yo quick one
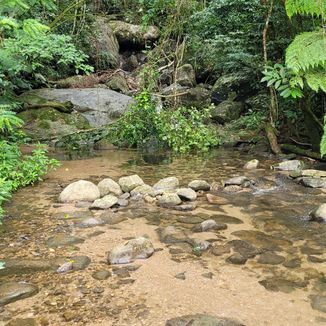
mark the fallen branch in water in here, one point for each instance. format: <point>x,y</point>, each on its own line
<point>300,151</point>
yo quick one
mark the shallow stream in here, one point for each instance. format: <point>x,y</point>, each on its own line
<point>281,282</point>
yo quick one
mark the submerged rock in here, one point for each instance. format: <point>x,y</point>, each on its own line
<point>106,202</point>
<point>199,185</point>
<point>171,234</point>
<point>202,320</point>
<point>13,291</point>
<point>210,225</point>
<point>167,184</point>
<point>318,302</point>
<point>139,248</point>
<point>237,259</point>
<point>319,214</point>
<point>216,200</point>
<point>112,218</point>
<point>81,190</point>
<point>108,186</point>
<point>90,222</point>
<point>187,194</point>
<point>101,275</point>
<point>169,200</point>
<point>270,258</point>
<point>292,165</point>
<point>23,322</point>
<point>131,182</point>
<point>26,266</point>
<point>63,239</point>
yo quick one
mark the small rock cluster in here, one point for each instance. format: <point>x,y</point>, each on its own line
<point>110,194</point>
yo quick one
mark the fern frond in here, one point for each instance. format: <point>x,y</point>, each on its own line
<point>305,7</point>
<point>307,51</point>
<point>316,80</point>
<point>33,28</point>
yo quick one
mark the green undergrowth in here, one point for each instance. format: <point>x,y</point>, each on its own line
<point>182,129</point>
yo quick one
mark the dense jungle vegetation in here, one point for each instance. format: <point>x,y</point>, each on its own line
<point>268,55</point>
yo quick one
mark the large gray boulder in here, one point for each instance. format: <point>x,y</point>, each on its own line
<point>139,248</point>
<point>226,111</point>
<point>98,105</point>
<point>133,35</point>
<point>81,190</point>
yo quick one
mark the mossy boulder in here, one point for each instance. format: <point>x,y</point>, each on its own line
<point>226,111</point>
<point>130,35</point>
<point>47,123</point>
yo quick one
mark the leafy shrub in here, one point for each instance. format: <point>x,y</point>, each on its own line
<point>182,130</point>
<point>25,58</point>
<point>18,170</point>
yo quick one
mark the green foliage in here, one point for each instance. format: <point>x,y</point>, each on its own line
<point>25,59</point>
<point>253,120</point>
<point>305,7</point>
<point>230,32</point>
<point>17,170</point>
<point>306,57</point>
<point>281,78</point>
<point>182,130</point>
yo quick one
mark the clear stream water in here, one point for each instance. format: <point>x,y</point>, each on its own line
<point>281,283</point>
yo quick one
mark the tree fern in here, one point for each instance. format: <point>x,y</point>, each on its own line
<point>305,7</point>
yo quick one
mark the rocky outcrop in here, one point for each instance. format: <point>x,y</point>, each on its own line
<point>99,106</point>
<point>226,112</point>
<point>130,35</point>
<point>104,46</point>
<point>81,190</point>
